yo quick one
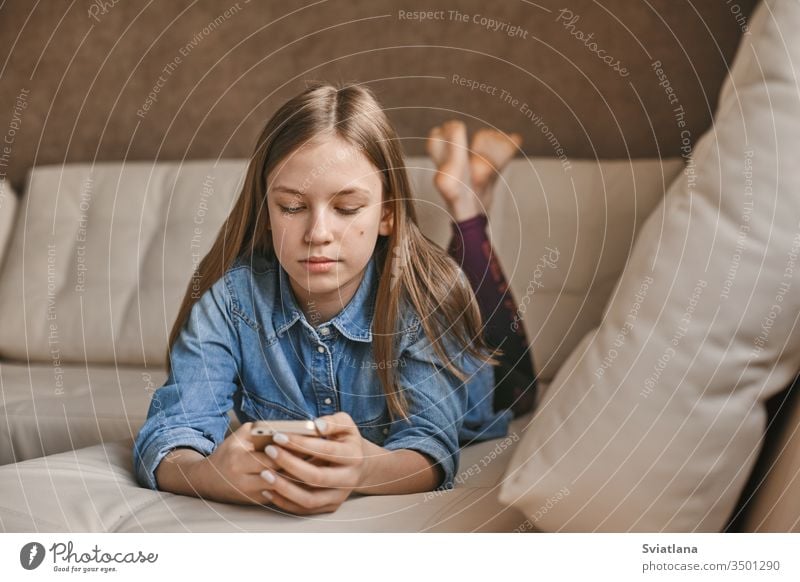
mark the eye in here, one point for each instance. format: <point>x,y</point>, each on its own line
<point>348,211</point>
<point>290,209</point>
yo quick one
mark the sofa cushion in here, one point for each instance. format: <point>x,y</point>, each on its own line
<point>49,409</point>
<point>94,490</point>
<point>655,420</point>
<point>102,256</point>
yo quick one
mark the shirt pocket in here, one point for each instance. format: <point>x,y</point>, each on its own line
<point>257,408</point>
<point>375,429</point>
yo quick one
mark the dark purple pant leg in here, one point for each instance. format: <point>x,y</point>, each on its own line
<point>515,379</point>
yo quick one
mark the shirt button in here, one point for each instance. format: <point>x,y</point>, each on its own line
<point>324,331</point>
<point>328,401</point>
<point>320,349</point>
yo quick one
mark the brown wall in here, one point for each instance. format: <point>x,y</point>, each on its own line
<point>87,70</point>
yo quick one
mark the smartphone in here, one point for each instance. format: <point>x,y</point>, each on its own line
<point>262,431</point>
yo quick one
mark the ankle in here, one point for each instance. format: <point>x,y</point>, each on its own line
<point>482,190</point>
<point>479,221</point>
<point>466,209</point>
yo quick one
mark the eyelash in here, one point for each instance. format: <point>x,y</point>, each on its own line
<point>296,209</point>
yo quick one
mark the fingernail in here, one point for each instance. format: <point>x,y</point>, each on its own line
<point>268,476</point>
<point>321,425</point>
<point>271,451</point>
<point>267,494</point>
<point>280,438</point>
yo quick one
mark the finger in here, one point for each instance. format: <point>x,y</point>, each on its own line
<point>284,504</point>
<point>309,473</point>
<point>335,424</point>
<point>248,490</point>
<point>332,451</point>
<point>300,494</point>
<point>257,461</point>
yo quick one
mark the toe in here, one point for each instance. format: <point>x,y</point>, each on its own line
<point>434,146</point>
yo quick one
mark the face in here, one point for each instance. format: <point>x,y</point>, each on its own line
<point>326,213</point>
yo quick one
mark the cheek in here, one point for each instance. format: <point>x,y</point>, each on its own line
<point>283,223</point>
<point>368,224</point>
<point>282,231</point>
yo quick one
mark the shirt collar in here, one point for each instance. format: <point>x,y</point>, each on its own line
<point>354,321</point>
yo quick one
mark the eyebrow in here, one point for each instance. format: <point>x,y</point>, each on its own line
<point>292,191</point>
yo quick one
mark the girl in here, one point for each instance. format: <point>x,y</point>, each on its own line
<point>321,298</point>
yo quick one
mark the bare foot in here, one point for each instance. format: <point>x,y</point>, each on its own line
<point>447,146</point>
<point>490,151</point>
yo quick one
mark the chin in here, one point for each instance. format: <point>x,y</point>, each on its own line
<point>319,282</point>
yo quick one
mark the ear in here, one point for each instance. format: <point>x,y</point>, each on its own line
<point>387,220</point>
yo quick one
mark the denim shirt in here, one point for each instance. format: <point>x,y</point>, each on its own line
<point>247,346</point>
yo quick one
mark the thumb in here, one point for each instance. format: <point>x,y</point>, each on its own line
<point>242,434</point>
<point>333,424</point>
<point>244,429</point>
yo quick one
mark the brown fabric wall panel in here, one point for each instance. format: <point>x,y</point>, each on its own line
<point>225,66</point>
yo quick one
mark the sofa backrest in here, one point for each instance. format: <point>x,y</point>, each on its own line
<point>8,211</point>
<point>101,254</point>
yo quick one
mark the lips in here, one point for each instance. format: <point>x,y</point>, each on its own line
<point>319,265</point>
<point>319,260</point>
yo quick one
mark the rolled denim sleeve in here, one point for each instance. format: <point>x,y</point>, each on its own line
<point>439,403</point>
<point>191,408</point>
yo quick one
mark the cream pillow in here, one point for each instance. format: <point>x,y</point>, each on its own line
<point>655,420</point>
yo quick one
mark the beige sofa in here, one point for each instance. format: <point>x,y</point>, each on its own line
<point>95,268</point>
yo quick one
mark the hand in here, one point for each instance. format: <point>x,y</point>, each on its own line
<point>232,473</point>
<point>306,487</point>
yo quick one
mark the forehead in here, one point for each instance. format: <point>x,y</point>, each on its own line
<point>324,166</point>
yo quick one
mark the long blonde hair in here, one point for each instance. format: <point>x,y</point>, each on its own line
<point>419,272</point>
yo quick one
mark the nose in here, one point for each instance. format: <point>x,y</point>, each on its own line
<point>318,230</point>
